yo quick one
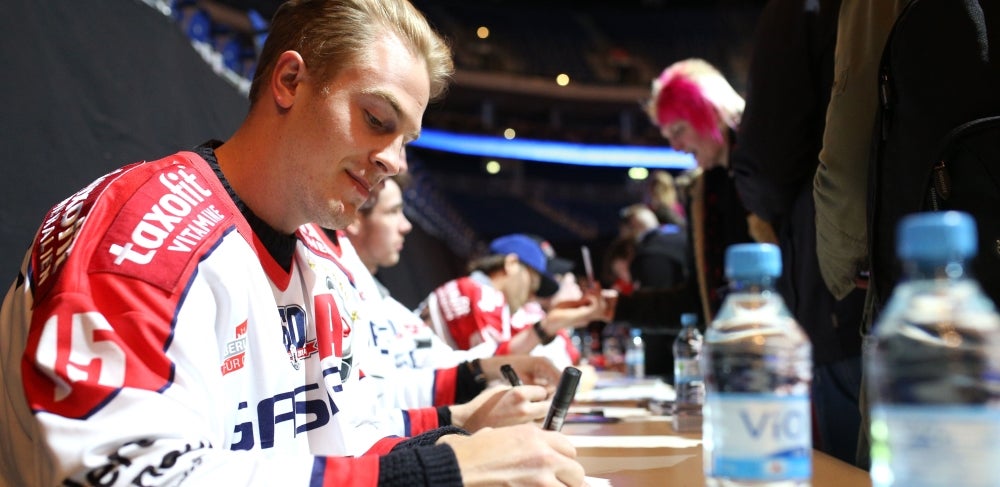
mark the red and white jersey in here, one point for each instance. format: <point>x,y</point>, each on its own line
<point>152,339</point>
<point>468,312</point>
<point>412,367</point>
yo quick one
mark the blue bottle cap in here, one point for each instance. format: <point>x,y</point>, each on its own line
<point>940,235</point>
<point>754,260</point>
<point>689,319</point>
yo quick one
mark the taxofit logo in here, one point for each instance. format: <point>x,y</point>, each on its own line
<point>170,220</point>
<point>179,218</point>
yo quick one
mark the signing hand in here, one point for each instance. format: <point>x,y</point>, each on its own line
<point>501,406</point>
<point>531,369</point>
<point>523,455</point>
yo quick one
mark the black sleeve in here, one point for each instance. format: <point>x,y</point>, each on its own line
<point>788,87</point>
<point>469,382</point>
<point>419,462</point>
<point>444,415</point>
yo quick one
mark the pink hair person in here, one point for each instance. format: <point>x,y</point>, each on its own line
<point>680,97</point>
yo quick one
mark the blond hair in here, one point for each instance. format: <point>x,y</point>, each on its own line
<point>333,34</point>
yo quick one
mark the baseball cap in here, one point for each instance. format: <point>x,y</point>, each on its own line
<point>530,254</point>
<point>554,264</point>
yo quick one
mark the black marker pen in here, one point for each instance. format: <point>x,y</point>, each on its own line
<point>565,392</point>
<point>511,376</point>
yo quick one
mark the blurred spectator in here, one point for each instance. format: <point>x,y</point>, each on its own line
<point>660,260</point>
<point>664,200</point>
<point>841,182</point>
<point>617,262</point>
<point>698,111</point>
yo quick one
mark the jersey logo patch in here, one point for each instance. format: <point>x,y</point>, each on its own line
<point>164,222</point>
<point>235,352</point>
<point>300,343</point>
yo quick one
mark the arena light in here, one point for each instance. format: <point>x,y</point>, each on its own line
<point>557,152</point>
<point>638,173</point>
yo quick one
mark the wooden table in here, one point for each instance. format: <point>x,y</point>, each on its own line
<point>677,463</point>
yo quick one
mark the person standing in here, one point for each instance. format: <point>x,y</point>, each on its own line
<point>789,83</point>
<point>699,112</point>
<point>840,184</point>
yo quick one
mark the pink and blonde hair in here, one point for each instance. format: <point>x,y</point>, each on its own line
<point>695,91</point>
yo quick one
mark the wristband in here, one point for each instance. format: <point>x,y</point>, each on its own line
<point>477,371</point>
<point>543,336</point>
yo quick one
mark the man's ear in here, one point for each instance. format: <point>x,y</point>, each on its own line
<point>287,77</point>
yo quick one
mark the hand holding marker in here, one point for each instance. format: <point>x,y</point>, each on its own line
<point>511,376</point>
<point>565,392</point>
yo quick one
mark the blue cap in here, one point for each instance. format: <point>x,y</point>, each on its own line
<point>689,319</point>
<point>530,254</point>
<point>751,260</point>
<point>936,236</point>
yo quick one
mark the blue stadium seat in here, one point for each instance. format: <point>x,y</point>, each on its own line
<point>199,27</point>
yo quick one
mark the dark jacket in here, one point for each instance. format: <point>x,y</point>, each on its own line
<point>788,88</point>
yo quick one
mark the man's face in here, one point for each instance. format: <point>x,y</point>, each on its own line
<point>683,137</point>
<point>350,131</point>
<point>380,234</point>
<point>522,284</point>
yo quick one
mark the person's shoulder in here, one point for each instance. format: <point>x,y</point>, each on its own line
<point>462,289</point>
<point>146,220</point>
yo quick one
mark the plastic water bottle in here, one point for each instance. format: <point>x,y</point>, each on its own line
<point>635,355</point>
<point>688,381</point>
<point>757,362</point>
<point>934,367</point>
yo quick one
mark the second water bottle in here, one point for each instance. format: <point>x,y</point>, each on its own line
<point>757,363</point>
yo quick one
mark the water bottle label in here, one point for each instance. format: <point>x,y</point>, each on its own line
<point>919,446</point>
<point>686,370</point>
<point>759,437</point>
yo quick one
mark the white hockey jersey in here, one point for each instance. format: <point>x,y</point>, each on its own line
<point>411,367</point>
<point>152,338</point>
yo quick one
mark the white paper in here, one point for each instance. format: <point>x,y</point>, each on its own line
<point>611,411</point>
<point>623,389</point>
<point>596,482</point>
<point>637,441</point>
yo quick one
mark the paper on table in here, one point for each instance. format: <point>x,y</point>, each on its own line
<point>611,411</point>
<point>637,441</point>
<point>628,390</point>
<point>596,482</point>
<point>605,465</point>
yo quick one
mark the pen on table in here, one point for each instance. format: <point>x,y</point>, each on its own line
<point>511,376</point>
<point>565,392</point>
